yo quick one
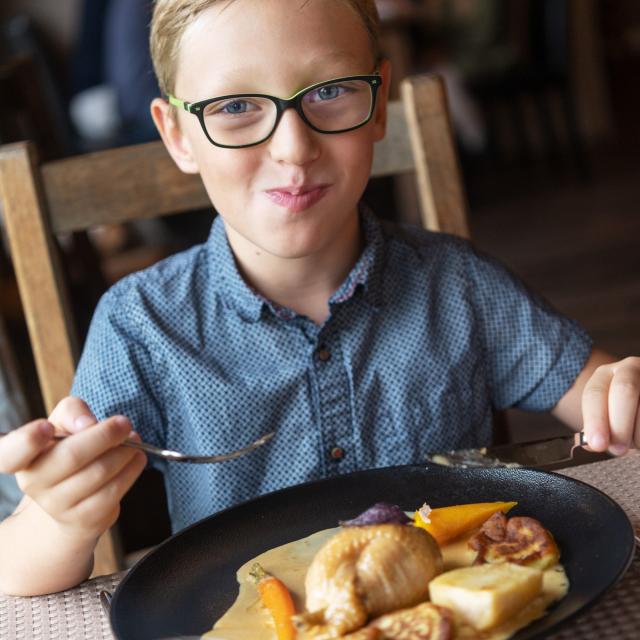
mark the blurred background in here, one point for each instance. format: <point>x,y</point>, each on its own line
<point>544,97</point>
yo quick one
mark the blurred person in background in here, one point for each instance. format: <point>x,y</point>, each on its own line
<point>115,83</point>
<point>428,28</point>
<point>113,76</point>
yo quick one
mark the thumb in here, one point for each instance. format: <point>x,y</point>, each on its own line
<point>72,415</point>
<point>22,446</point>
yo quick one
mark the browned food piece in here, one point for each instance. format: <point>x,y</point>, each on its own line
<point>363,572</point>
<point>425,622</point>
<point>520,540</point>
<point>495,528</point>
<point>366,633</point>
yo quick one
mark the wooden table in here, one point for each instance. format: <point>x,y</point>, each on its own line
<point>77,613</point>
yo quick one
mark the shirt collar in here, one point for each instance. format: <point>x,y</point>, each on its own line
<point>366,273</point>
<point>225,277</point>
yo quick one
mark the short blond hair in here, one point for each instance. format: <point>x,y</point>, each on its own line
<point>172,17</point>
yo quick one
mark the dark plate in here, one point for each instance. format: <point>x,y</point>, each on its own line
<point>188,582</point>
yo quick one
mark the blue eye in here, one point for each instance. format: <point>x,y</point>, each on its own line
<point>233,107</point>
<point>323,94</point>
<point>237,106</point>
<point>329,92</point>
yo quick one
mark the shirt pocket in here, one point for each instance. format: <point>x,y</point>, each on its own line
<point>458,415</point>
<point>454,415</point>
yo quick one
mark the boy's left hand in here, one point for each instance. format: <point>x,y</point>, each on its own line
<point>611,406</point>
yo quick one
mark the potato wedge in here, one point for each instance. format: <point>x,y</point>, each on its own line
<point>486,595</point>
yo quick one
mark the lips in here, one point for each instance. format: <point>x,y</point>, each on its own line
<point>297,199</point>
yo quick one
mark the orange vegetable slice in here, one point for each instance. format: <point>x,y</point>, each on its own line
<point>447,523</point>
<point>277,599</point>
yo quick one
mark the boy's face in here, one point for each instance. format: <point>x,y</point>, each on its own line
<point>277,47</point>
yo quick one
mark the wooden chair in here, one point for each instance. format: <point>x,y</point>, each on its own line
<point>118,185</point>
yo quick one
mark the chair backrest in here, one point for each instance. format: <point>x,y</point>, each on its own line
<point>118,185</point>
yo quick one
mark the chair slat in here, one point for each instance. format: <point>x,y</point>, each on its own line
<point>440,189</point>
<point>118,185</point>
<point>392,155</point>
<point>38,272</point>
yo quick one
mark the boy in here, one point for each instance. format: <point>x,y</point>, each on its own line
<point>361,348</point>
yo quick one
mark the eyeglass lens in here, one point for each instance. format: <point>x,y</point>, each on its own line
<point>249,119</point>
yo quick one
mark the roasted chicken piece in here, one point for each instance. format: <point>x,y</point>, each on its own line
<point>425,622</point>
<point>519,540</point>
<point>366,633</point>
<point>363,572</point>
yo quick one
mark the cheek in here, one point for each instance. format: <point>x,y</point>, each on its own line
<point>227,175</point>
<point>354,155</point>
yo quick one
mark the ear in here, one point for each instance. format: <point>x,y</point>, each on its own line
<point>380,115</point>
<point>178,145</point>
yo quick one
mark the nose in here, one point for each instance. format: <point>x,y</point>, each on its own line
<point>293,141</point>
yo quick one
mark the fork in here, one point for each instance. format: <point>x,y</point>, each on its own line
<point>177,456</point>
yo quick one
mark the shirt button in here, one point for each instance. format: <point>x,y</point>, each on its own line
<point>337,453</point>
<point>323,354</point>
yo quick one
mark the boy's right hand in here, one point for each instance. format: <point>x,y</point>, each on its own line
<point>78,481</point>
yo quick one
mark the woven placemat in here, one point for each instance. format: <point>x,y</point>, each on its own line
<point>617,615</point>
<point>618,478</point>
<point>77,614</point>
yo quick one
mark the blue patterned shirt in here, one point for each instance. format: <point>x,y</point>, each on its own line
<point>425,337</point>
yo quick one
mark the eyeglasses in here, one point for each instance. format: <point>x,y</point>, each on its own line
<point>247,119</point>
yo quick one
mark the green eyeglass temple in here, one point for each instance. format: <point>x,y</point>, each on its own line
<point>181,104</point>
<point>282,104</point>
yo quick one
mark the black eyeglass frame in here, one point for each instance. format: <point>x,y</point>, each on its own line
<point>282,104</point>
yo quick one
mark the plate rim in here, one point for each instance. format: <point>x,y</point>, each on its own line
<point>490,471</point>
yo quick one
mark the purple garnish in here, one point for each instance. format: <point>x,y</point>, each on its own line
<point>379,513</point>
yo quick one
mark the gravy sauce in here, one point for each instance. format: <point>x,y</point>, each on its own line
<point>248,620</point>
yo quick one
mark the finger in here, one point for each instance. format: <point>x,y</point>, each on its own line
<point>71,415</point>
<point>96,507</point>
<point>70,455</point>
<point>623,407</point>
<point>89,480</point>
<point>636,439</point>
<point>595,409</point>
<point>22,446</point>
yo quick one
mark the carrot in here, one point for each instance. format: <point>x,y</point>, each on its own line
<point>276,598</point>
<point>447,523</point>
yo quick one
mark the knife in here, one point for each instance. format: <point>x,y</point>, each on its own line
<point>551,453</point>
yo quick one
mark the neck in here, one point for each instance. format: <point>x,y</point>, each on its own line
<point>305,283</point>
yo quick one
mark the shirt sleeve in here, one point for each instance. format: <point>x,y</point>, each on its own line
<point>116,373</point>
<point>534,352</point>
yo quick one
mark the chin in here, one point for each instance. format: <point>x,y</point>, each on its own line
<point>303,241</point>
<point>289,251</point>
